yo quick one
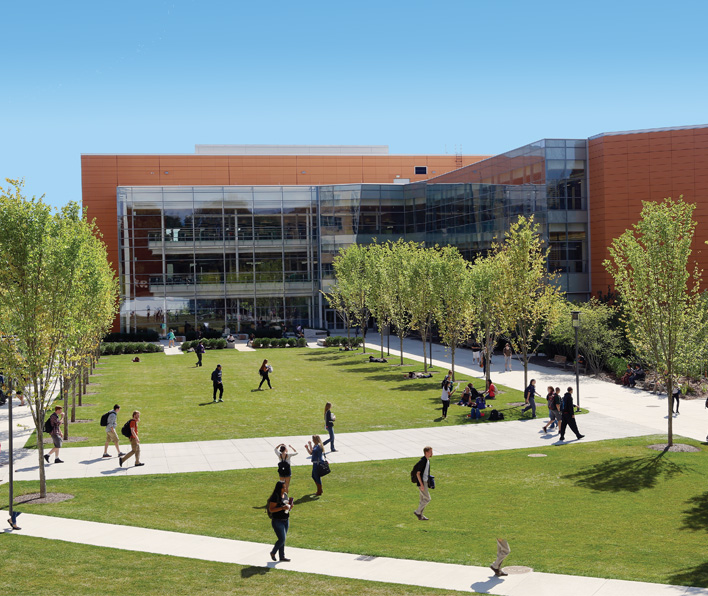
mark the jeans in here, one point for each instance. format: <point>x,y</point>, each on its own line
<point>330,429</point>
<point>220,388</point>
<point>280,527</point>
<point>199,358</point>
<point>532,406</point>
<point>264,379</point>
<point>446,405</point>
<point>316,472</point>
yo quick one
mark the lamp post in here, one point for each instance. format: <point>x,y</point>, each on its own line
<point>576,324</point>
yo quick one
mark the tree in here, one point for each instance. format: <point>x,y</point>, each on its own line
<point>660,289</point>
<point>598,340</point>
<point>528,295</point>
<point>353,282</point>
<point>46,259</point>
<point>377,297</point>
<point>454,305</point>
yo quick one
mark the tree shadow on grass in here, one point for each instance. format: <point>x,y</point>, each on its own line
<point>696,518</point>
<point>630,474</point>
<point>691,576</point>
<point>247,572</point>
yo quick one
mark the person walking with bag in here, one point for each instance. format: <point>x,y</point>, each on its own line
<point>568,415</point>
<point>316,450</point>
<point>132,425</point>
<point>217,383</point>
<point>420,475</point>
<point>284,469</point>
<point>264,371</point>
<point>329,425</point>
<point>200,349</point>
<point>279,507</point>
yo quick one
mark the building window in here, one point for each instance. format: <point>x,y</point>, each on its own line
<point>421,170</point>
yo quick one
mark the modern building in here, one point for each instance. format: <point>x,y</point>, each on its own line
<point>234,236</point>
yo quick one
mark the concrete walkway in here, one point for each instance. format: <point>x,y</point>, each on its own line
<point>464,578</point>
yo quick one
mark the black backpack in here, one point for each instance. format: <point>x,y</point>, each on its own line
<point>48,425</point>
<point>494,415</point>
<point>284,468</point>
<point>125,431</point>
<point>104,418</point>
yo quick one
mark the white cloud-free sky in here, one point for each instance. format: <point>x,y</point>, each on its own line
<point>421,77</point>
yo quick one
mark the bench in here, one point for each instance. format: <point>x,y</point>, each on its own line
<point>558,359</point>
<point>321,342</point>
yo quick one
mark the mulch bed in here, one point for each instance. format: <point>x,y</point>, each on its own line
<point>50,498</point>
<point>675,448</point>
<point>48,441</point>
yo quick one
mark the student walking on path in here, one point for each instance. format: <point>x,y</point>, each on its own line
<point>171,339</point>
<point>264,371</point>
<point>329,425</point>
<point>420,476</point>
<point>284,469</point>
<point>507,357</point>
<point>553,399</point>
<point>134,442</point>
<point>447,391</point>
<point>316,450</point>
<point>111,434</point>
<point>216,383</point>
<point>568,415</point>
<point>55,421</point>
<point>279,508</point>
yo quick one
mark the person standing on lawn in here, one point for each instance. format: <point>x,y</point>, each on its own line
<point>200,349</point>
<point>134,442</point>
<point>568,415</point>
<point>329,425</point>
<point>111,434</point>
<point>264,371</point>
<point>55,420</point>
<point>420,476</point>
<point>279,508</point>
<point>447,391</point>
<point>216,382</point>
<point>316,450</point>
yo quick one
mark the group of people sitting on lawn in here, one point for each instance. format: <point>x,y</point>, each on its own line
<point>472,398</point>
<point>632,375</point>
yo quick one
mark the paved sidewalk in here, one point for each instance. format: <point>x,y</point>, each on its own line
<point>464,578</point>
<point>237,454</point>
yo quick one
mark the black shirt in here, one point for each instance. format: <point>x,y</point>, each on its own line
<point>280,502</point>
<point>216,376</point>
<point>567,404</point>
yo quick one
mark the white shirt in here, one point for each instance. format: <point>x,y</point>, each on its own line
<point>426,472</point>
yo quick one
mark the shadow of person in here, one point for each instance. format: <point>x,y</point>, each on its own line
<point>206,403</point>
<point>305,499</point>
<point>485,587</point>
<point>247,572</point>
<point>92,461</point>
<point>630,474</point>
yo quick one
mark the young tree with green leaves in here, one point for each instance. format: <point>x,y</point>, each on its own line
<point>454,307</point>
<point>665,317</point>
<point>528,296</point>
<point>377,296</point>
<point>351,271</point>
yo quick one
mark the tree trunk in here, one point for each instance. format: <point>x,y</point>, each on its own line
<point>40,414</point>
<point>73,397</point>
<point>65,392</point>
<point>363,336</point>
<point>452,359</point>
<point>670,401</point>
<point>400,336</point>
<point>381,331</point>
<point>525,355</point>
<point>82,388</point>
<point>86,376</point>
<point>425,354</point>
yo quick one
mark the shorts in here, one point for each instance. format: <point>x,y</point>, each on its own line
<point>57,440</point>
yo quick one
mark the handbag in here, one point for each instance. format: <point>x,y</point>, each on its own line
<point>323,467</point>
<point>431,482</point>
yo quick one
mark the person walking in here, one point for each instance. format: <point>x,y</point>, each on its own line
<point>200,349</point>
<point>111,434</point>
<point>217,384</point>
<point>134,442</point>
<point>171,339</point>
<point>553,399</point>
<point>507,357</point>
<point>316,451</point>
<point>530,398</point>
<point>284,469</point>
<point>420,476</point>
<point>447,391</point>
<point>55,421</point>
<point>264,371</point>
<point>329,425</point>
<point>279,507</point>
<point>568,415</point>
<point>677,396</point>
<point>503,551</point>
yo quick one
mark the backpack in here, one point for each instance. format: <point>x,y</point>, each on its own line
<point>125,431</point>
<point>104,418</point>
<point>48,425</point>
<point>283,468</point>
<point>494,415</point>
<point>501,415</point>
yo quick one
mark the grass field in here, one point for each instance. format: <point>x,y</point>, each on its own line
<point>175,398</point>
<point>613,509</point>
<point>66,569</point>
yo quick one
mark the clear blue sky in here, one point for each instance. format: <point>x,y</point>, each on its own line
<point>422,77</point>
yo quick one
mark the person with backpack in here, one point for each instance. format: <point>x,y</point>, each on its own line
<point>568,415</point>
<point>316,450</point>
<point>264,371</point>
<point>110,421</point>
<point>329,425</point>
<point>279,507</point>
<point>530,398</point>
<point>130,430</point>
<point>284,457</point>
<point>420,475</point>
<point>53,425</point>
<point>216,382</point>
<point>200,349</point>
<point>553,400</point>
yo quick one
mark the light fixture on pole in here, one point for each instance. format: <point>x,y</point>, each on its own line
<point>576,324</point>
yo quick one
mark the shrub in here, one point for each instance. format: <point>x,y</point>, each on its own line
<point>145,336</point>
<point>220,343</point>
<point>154,348</point>
<point>265,342</point>
<point>332,341</point>
<point>107,349</point>
<point>209,343</point>
<point>618,366</point>
<point>292,342</point>
<point>301,342</point>
<point>186,345</point>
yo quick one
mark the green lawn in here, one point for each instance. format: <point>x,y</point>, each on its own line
<point>62,568</point>
<point>175,398</point>
<point>612,509</point>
